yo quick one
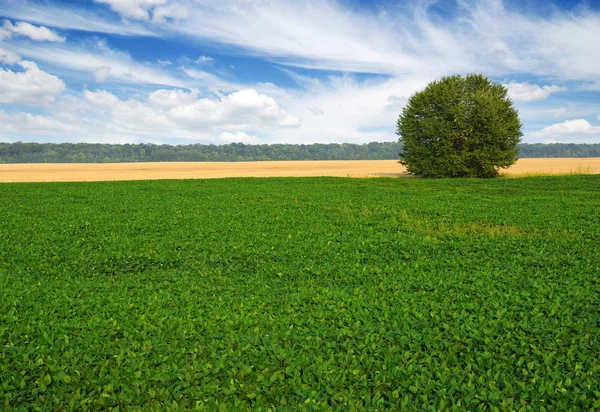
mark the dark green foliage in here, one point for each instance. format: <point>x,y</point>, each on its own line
<point>235,152</point>
<point>301,294</point>
<point>459,127</point>
<point>539,150</point>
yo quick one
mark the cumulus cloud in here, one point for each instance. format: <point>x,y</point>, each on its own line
<point>238,110</point>
<point>172,98</point>
<point>100,116</point>
<point>25,122</point>
<point>32,86</point>
<point>575,127</point>
<point>525,92</point>
<point>38,33</point>
<point>164,62</point>
<point>172,111</point>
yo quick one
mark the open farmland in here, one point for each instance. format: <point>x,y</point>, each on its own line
<point>70,172</point>
<point>301,294</point>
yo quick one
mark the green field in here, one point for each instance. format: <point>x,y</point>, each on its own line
<point>301,294</point>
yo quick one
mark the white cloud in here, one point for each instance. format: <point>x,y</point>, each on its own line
<point>405,43</point>
<point>159,11</point>
<point>172,98</point>
<point>69,17</point>
<point>576,127</point>
<point>236,111</point>
<point>198,74</point>
<point>210,81</point>
<point>4,33</point>
<point>175,12</point>
<point>395,103</point>
<point>238,137</point>
<point>9,57</point>
<point>563,111</point>
<point>316,33</point>
<point>177,113</point>
<point>32,86</point>
<point>164,62</point>
<point>525,92</point>
<point>38,33</point>
<point>480,36</point>
<point>101,98</point>
<point>89,57</point>
<point>315,110</point>
<point>24,122</point>
<point>203,59</point>
<point>134,9</point>
<point>353,111</point>
<point>102,73</point>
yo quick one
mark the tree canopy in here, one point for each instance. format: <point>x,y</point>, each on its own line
<point>459,127</point>
<point>142,152</point>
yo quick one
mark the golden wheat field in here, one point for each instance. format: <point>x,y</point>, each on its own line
<point>72,172</point>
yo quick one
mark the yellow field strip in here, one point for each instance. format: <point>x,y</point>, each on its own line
<point>71,172</point>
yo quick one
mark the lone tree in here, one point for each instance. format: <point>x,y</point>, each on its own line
<point>459,127</point>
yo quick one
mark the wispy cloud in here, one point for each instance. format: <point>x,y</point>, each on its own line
<point>72,18</point>
<point>133,9</point>
<point>38,33</point>
<point>155,10</point>
<point>100,62</point>
<point>481,36</point>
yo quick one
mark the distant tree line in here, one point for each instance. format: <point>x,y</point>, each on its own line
<point>238,152</point>
<point>559,150</point>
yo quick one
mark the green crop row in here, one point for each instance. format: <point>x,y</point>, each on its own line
<point>301,294</point>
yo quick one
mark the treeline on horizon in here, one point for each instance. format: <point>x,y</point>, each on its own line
<point>20,152</point>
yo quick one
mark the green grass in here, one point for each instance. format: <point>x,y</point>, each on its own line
<point>301,294</point>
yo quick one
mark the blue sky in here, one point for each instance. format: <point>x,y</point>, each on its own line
<point>285,71</point>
